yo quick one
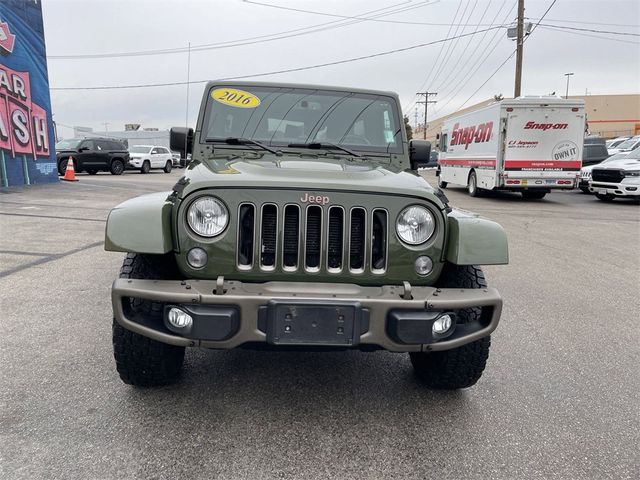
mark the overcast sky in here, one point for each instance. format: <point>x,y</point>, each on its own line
<point>601,63</point>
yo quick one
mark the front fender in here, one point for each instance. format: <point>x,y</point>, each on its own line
<point>141,225</point>
<point>475,241</point>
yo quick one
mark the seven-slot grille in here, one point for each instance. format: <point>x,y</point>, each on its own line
<point>609,176</point>
<point>313,238</point>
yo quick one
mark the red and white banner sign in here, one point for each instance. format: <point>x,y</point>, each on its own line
<point>23,124</point>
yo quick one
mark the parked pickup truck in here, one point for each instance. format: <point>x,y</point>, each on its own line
<point>617,178</point>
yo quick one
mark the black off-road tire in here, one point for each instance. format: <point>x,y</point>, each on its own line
<point>146,167</point>
<point>533,195</point>
<point>584,189</point>
<point>117,167</point>
<point>460,367</point>
<point>605,198</point>
<point>141,361</point>
<point>168,166</point>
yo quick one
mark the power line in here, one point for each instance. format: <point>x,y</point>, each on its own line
<point>288,70</point>
<point>454,71</point>
<point>411,104</point>
<point>589,30</point>
<point>509,57</point>
<point>467,76</point>
<point>446,57</point>
<point>281,7</point>
<point>554,29</point>
<point>587,23</point>
<point>249,40</point>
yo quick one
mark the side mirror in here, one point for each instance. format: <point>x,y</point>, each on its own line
<point>181,140</point>
<point>419,153</point>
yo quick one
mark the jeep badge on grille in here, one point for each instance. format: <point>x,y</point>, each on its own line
<point>319,199</point>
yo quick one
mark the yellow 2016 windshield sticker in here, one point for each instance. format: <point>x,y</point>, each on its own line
<point>235,98</point>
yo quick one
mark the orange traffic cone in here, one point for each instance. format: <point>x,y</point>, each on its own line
<point>70,172</point>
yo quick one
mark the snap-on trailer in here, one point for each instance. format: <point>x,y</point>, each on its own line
<point>528,144</point>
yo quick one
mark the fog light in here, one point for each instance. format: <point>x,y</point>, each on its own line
<point>179,318</point>
<point>423,265</point>
<point>442,324</point>
<point>197,257</point>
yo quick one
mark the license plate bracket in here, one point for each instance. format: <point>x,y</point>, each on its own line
<point>319,323</point>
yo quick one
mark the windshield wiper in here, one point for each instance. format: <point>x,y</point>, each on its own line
<point>244,141</point>
<point>325,145</point>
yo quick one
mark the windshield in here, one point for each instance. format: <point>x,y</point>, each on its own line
<point>139,149</point>
<point>628,143</point>
<point>279,116</point>
<point>633,155</point>
<point>68,144</point>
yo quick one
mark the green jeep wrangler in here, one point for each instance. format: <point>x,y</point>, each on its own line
<point>302,223</point>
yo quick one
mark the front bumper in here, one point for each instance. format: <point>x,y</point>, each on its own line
<point>389,314</point>
<point>622,189</point>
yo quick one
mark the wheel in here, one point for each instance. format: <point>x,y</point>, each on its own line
<point>146,166</point>
<point>604,198</point>
<point>533,195</point>
<point>117,167</point>
<point>472,185</point>
<point>141,361</point>
<point>441,183</point>
<point>168,166</point>
<point>91,171</point>
<point>460,367</point>
<point>62,166</point>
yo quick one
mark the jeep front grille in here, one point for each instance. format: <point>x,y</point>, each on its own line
<point>314,239</point>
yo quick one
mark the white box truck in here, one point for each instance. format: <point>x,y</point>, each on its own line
<point>528,144</point>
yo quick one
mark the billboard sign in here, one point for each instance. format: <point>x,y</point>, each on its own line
<point>27,154</point>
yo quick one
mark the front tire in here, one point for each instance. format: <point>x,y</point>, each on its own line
<point>168,166</point>
<point>117,167</point>
<point>472,185</point>
<point>460,367</point>
<point>146,167</point>
<point>141,361</point>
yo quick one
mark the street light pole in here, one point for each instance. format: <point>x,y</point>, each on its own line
<point>567,92</point>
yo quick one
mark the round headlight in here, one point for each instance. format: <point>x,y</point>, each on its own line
<point>207,216</point>
<point>415,225</point>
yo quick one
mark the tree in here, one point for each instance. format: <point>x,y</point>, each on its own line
<point>408,128</point>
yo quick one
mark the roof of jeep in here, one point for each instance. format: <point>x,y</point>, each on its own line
<point>240,83</point>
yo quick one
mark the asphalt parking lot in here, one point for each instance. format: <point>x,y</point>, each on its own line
<point>558,398</point>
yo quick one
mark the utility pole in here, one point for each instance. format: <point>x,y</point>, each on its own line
<point>106,127</point>
<point>519,52</point>
<point>566,95</point>
<point>426,103</point>
<point>415,118</point>
<point>186,115</point>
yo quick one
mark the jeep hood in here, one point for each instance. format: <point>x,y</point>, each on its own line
<point>307,173</point>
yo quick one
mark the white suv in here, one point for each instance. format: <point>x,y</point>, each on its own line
<point>617,178</point>
<point>146,157</point>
